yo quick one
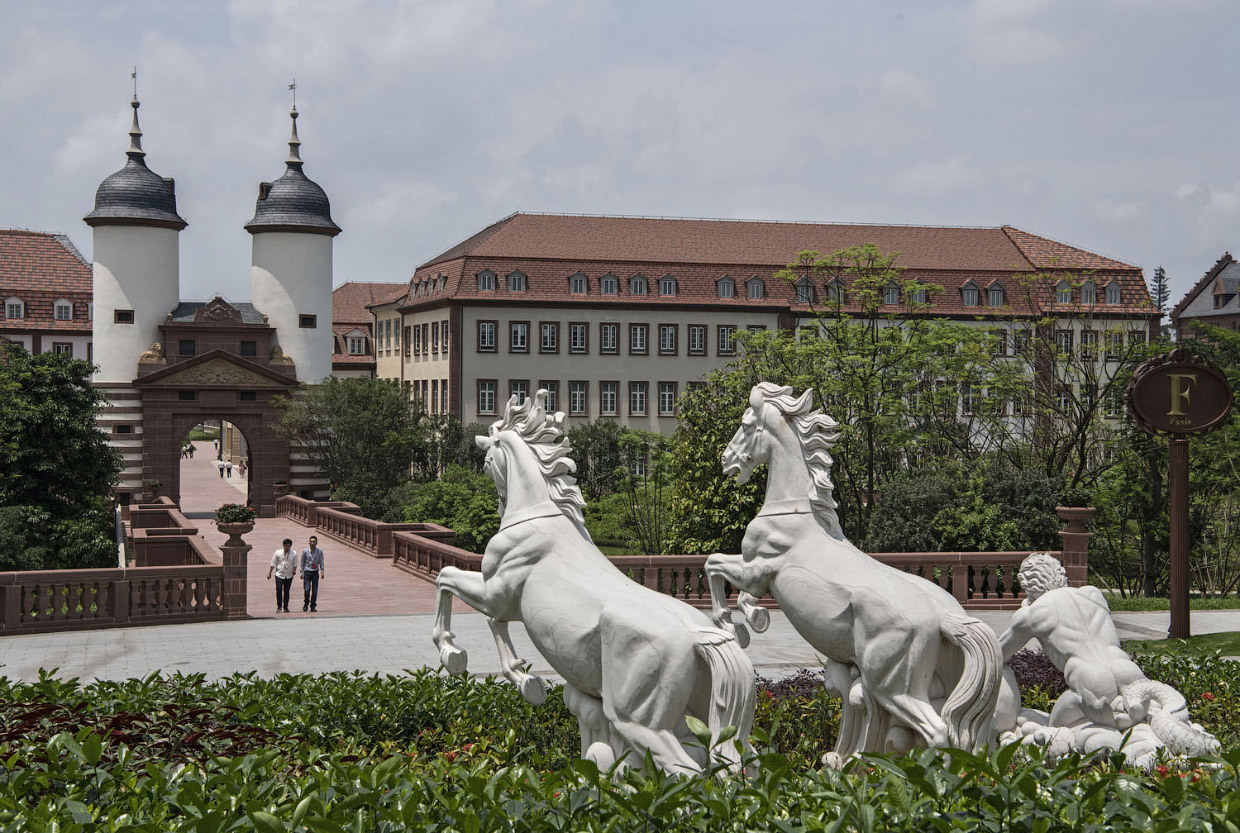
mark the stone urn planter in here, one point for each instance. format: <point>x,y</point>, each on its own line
<point>1075,516</point>
<point>234,531</point>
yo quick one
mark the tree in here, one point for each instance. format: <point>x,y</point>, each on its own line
<point>364,435</point>
<point>465,501</point>
<point>597,453</point>
<point>56,468</point>
<point>1160,290</point>
<point>646,483</point>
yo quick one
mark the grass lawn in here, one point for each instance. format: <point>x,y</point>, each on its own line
<point>1139,603</point>
<point>1204,645</point>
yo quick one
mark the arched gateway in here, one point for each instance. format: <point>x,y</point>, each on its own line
<point>166,365</point>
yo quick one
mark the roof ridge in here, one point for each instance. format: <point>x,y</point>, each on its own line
<point>743,220</point>
<point>1210,275</point>
<point>462,248</point>
<point>1071,246</point>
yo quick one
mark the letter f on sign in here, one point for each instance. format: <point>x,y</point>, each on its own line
<point>1181,387</point>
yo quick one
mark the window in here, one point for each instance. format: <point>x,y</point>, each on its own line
<point>891,294</point>
<point>637,461</point>
<point>837,292</point>
<point>607,392</point>
<point>609,338</point>
<point>435,338</point>
<point>187,347</point>
<point>1136,338</point>
<point>249,349</point>
<point>519,388</point>
<point>1113,293</point>
<point>637,285</point>
<point>434,400</point>
<point>577,394</point>
<point>1063,292</point>
<point>608,285</point>
<point>637,339</point>
<point>637,398</point>
<point>667,285</point>
<point>549,337</point>
<point>667,399</point>
<point>122,316</point>
<point>969,294</point>
<point>486,283</point>
<point>443,396</point>
<point>426,338</point>
<point>248,396</point>
<point>1022,403</point>
<point>1000,342</point>
<point>1063,398</point>
<point>996,296</point>
<point>1020,342</point>
<point>667,339</point>
<point>553,395</point>
<point>919,295</point>
<point>516,282</point>
<point>1089,293</point>
<point>805,291</point>
<point>307,322</point>
<point>697,339</point>
<point>486,396</point>
<point>578,337</point>
<point>727,343</point>
<point>63,310</point>
<point>417,340</point>
<point>578,284</point>
<point>1115,346</point>
<point>387,335</point>
<point>1089,345</point>
<point>1113,404</point>
<point>519,337</point>
<point>969,399</point>
<point>409,341</point>
<point>1063,342</point>
<point>187,396</point>
<point>124,429</point>
<point>443,335</point>
<point>62,348</point>
<point>14,308</point>
<point>726,288</point>
<point>755,289</point>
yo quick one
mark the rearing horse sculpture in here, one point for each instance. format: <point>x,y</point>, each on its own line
<point>897,644</point>
<point>634,661</point>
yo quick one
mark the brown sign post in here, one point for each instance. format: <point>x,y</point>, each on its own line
<point>1178,395</point>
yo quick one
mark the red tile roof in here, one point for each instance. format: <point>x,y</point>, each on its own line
<point>40,261</point>
<point>349,300</point>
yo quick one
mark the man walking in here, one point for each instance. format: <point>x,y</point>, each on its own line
<point>284,564</point>
<point>228,467</point>
<point>313,568</point>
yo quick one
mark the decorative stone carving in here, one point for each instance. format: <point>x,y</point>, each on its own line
<point>217,371</point>
<point>912,668</point>
<point>218,311</point>
<point>1108,696</point>
<point>635,662</point>
<point>154,354</point>
<point>278,357</point>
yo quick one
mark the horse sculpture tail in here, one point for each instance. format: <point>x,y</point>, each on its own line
<point>970,708</point>
<point>732,690</point>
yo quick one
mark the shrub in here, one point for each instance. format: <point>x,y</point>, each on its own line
<point>235,513</point>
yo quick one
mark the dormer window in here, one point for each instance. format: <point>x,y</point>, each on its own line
<point>755,289</point>
<point>14,308</point>
<point>608,285</point>
<point>1063,292</point>
<point>805,291</point>
<point>996,295</point>
<point>637,285</point>
<point>969,296</point>
<point>486,281</point>
<point>63,310</point>
<point>578,284</point>
<point>1089,293</point>
<point>516,282</point>
<point>919,295</point>
<point>667,285</point>
<point>891,294</point>
<point>837,293</point>
<point>726,288</point>
<point>1113,293</point>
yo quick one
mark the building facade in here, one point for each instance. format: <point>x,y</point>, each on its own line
<point>616,316</point>
<point>356,338</point>
<point>45,286</point>
<point>1215,299</point>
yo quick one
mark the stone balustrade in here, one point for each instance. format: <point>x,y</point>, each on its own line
<point>344,522</point>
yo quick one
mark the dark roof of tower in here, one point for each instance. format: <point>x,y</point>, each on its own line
<point>294,202</point>
<point>136,195</point>
<point>186,310</point>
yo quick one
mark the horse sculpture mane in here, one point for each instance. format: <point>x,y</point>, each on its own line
<point>544,434</point>
<point>818,434</point>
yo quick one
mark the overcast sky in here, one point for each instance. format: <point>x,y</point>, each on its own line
<point>1110,124</point>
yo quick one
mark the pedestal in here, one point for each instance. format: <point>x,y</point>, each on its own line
<point>236,557</point>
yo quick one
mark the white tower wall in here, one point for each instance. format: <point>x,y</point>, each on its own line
<point>135,268</point>
<point>291,276</point>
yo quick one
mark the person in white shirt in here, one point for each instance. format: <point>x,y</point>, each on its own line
<point>284,565</point>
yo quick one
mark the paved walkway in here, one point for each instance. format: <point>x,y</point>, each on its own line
<point>355,583</point>
<point>385,645</point>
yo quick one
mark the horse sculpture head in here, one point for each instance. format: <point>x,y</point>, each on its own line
<point>775,420</point>
<point>527,457</point>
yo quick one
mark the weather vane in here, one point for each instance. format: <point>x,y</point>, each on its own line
<point>134,76</point>
<point>293,87</point>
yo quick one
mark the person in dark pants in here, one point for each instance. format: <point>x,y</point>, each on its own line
<point>313,568</point>
<point>284,565</point>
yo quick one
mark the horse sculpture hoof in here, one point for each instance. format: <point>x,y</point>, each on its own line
<point>454,659</point>
<point>742,635</point>
<point>533,689</point>
<point>759,618</point>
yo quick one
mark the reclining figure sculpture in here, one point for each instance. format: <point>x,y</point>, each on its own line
<point>635,661</point>
<point>1110,703</point>
<point>912,668</point>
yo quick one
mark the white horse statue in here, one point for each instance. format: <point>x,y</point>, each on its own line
<point>635,662</point>
<point>912,668</point>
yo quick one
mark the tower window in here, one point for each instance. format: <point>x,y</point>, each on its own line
<point>124,429</point>
<point>187,347</point>
<point>249,348</point>
<point>122,316</point>
<point>307,322</point>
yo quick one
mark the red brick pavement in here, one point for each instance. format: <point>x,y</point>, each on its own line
<point>355,582</point>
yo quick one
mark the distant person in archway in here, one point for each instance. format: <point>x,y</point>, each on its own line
<point>313,568</point>
<point>284,565</point>
<point>220,466</point>
<point>228,467</point>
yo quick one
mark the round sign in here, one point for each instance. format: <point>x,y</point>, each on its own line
<point>1179,393</point>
